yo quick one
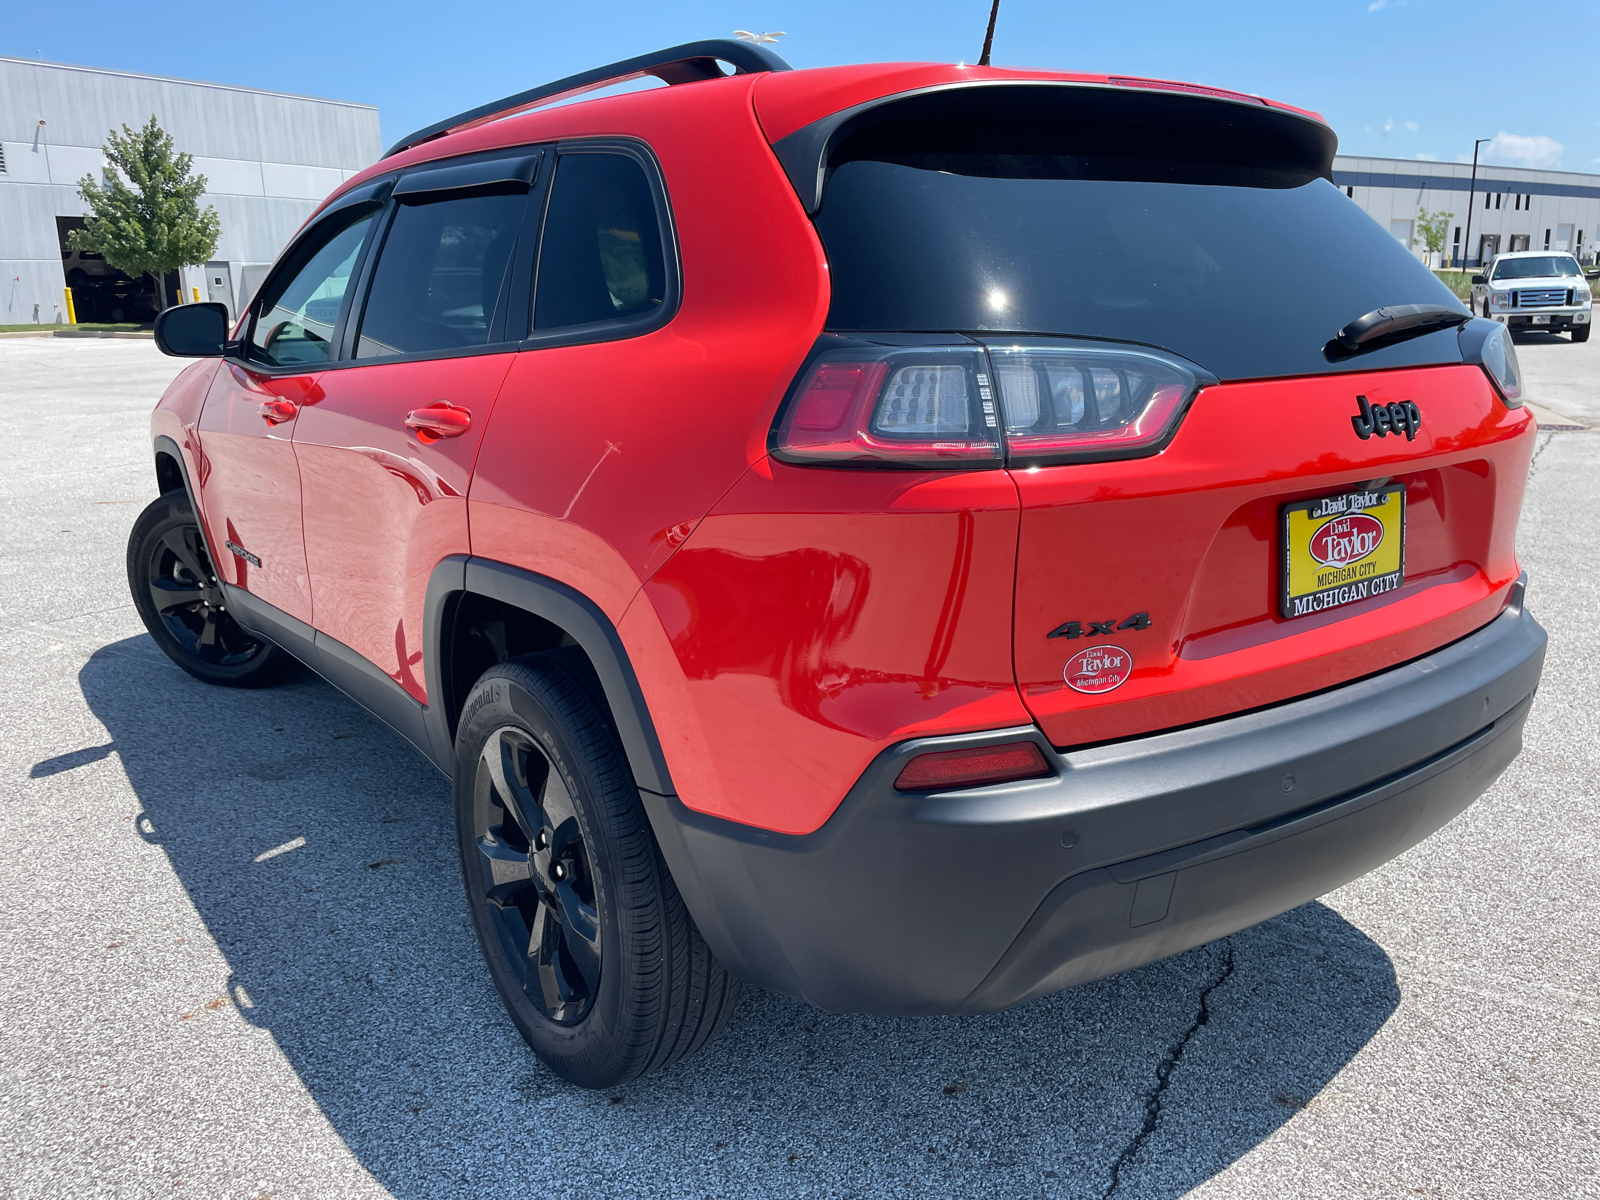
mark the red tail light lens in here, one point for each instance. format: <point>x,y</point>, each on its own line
<point>931,406</point>
<point>1079,403</point>
<point>970,768</point>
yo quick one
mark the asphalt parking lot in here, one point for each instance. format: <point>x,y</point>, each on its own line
<point>235,960</point>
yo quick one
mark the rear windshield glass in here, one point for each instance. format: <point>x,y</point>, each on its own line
<point>1245,271</point>
<point>1541,267</point>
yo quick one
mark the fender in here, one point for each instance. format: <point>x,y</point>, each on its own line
<point>567,609</point>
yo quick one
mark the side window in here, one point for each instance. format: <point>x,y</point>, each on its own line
<point>601,254</point>
<point>439,274</point>
<point>296,315</point>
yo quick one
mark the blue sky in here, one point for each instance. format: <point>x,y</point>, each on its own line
<point>1400,78</point>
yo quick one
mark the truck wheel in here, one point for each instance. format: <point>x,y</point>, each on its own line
<point>598,962</point>
<point>176,593</point>
<point>1580,333</point>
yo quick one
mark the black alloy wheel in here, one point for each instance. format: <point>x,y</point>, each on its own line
<point>180,599</point>
<point>595,957</point>
<point>536,876</point>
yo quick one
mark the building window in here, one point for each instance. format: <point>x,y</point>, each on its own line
<point>1349,191</point>
<point>1547,239</point>
<point>1487,200</point>
<point>2,158</point>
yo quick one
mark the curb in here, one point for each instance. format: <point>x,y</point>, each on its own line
<point>46,332</point>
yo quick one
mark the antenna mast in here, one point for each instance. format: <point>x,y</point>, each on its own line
<point>988,38</point>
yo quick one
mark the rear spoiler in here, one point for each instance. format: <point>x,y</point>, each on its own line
<point>1303,142</point>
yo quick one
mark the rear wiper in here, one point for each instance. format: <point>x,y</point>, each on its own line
<point>1396,323</point>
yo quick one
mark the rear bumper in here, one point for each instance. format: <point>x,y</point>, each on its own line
<point>975,900</point>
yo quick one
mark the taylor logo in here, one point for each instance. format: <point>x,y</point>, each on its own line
<point>1384,419</point>
<point>1098,669</point>
<point>1345,540</point>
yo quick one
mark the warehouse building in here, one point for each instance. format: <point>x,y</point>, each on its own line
<point>1513,208</point>
<point>268,159</point>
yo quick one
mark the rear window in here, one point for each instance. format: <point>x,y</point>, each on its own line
<point>1108,228</point>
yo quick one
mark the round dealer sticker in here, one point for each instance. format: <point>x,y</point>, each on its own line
<point>1098,669</point>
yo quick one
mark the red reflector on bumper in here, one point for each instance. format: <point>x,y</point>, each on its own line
<point>969,768</point>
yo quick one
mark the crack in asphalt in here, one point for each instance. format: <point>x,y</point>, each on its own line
<point>1533,463</point>
<point>1154,1102</point>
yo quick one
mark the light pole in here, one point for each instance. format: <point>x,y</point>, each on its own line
<point>1472,193</point>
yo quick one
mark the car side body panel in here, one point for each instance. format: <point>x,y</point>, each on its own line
<point>603,455</point>
<point>816,617</point>
<point>250,485</point>
<point>383,508</point>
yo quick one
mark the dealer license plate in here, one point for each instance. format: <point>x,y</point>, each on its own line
<point>1342,549</point>
<point>1542,319</point>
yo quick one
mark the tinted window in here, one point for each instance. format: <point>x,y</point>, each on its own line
<point>1247,272</point>
<point>298,312</point>
<point>439,275</point>
<point>601,256</point>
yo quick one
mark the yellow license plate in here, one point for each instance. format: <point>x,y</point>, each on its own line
<point>1342,549</point>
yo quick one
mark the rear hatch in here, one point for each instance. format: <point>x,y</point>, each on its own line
<point>1222,506</point>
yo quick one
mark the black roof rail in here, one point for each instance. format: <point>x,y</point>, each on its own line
<point>687,63</point>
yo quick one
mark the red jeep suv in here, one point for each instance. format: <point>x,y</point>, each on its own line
<point>915,537</point>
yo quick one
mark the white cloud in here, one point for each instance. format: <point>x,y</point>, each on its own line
<point>1518,150</point>
<point>1377,4</point>
<point>1428,157</point>
<point>1388,126</point>
<point>1412,126</point>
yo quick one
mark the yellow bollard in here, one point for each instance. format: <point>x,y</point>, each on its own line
<point>72,312</point>
<point>196,292</point>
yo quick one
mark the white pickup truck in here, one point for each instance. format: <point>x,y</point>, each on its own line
<point>1536,290</point>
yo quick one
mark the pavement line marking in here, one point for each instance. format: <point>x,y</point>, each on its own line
<point>292,844</point>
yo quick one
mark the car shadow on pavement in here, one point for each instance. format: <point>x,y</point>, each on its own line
<point>317,848</point>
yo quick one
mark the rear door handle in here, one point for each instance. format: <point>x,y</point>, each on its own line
<point>441,419</point>
<point>277,411</point>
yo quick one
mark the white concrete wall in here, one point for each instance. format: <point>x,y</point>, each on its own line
<point>1541,211</point>
<point>268,160</point>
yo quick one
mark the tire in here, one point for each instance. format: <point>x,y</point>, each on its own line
<point>1580,333</point>
<point>595,957</point>
<point>175,590</point>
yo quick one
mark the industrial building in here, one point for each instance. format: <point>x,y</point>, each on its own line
<point>1513,208</point>
<point>268,159</point>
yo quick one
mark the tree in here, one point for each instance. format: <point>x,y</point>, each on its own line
<point>1433,228</point>
<point>155,225</point>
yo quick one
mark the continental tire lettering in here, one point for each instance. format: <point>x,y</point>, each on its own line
<point>489,695</point>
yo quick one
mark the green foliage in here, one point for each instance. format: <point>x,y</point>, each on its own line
<point>1459,282</point>
<point>1434,228</point>
<point>155,225</point>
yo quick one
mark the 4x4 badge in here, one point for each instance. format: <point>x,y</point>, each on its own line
<point>1075,629</point>
<point>1384,419</point>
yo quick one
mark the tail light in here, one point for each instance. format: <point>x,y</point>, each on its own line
<point>1076,403</point>
<point>930,406</point>
<point>1025,402</point>
<point>1488,344</point>
<point>972,768</point>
